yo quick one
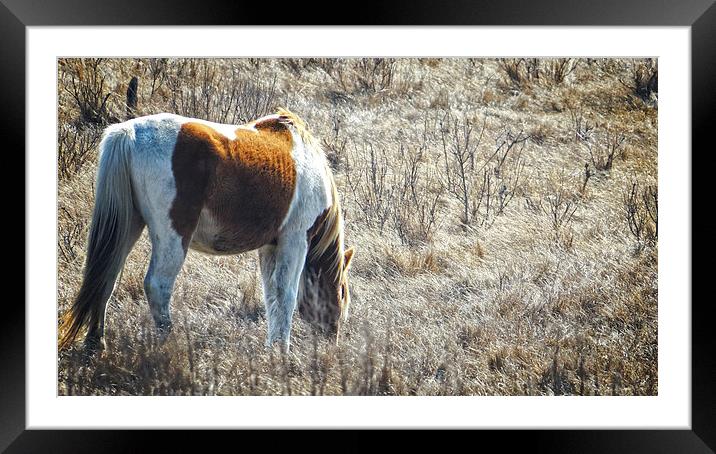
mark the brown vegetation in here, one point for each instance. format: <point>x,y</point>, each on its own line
<point>504,214</point>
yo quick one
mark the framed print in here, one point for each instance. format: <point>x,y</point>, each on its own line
<point>482,200</point>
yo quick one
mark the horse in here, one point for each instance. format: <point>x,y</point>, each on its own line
<point>218,189</point>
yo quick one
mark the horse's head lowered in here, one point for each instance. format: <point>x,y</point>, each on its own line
<point>324,296</point>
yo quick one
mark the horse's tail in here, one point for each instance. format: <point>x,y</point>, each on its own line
<point>108,234</point>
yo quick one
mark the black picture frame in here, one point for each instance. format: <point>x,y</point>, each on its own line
<point>699,15</point>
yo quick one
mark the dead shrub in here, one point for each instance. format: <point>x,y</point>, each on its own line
<point>519,73</point>
<point>641,212</point>
<point>335,145</point>
<point>369,184</point>
<point>405,190</point>
<point>75,147</point>
<point>158,68</point>
<point>588,173</point>
<point>365,75</point>
<point>375,74</point>
<point>603,149</point>
<point>522,73</point>
<point>71,236</point>
<point>559,208</point>
<point>418,195</point>
<point>408,193</point>
<point>644,79</point>
<point>85,82</point>
<point>200,88</point>
<point>558,69</point>
<point>581,125</point>
<point>299,65</point>
<point>483,182</point>
<point>460,153</point>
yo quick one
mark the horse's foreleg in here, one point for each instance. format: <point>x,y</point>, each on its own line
<point>167,259</point>
<point>281,267</point>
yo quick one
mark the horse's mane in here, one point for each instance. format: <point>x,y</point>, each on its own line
<point>300,126</point>
<point>325,249</point>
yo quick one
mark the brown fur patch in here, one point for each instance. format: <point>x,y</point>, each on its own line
<point>246,183</point>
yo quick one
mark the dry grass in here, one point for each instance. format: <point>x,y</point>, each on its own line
<point>503,213</point>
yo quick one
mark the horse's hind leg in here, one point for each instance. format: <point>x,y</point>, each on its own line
<point>95,330</point>
<point>281,267</point>
<point>167,259</point>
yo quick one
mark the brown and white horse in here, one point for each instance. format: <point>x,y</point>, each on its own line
<point>219,189</point>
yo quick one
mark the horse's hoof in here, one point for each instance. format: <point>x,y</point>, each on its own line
<point>164,329</point>
<point>93,348</point>
<point>283,347</point>
<point>162,336</point>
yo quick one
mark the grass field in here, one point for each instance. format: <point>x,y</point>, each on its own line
<point>504,215</point>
